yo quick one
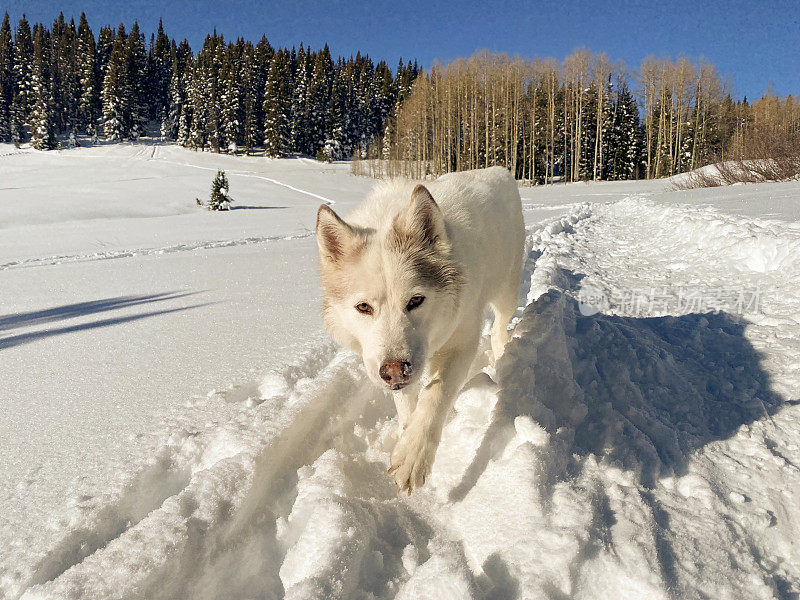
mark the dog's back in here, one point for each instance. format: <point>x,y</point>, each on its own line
<point>489,242</point>
<point>484,209</point>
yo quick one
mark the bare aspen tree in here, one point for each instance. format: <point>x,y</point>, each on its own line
<point>648,75</point>
<point>684,83</point>
<point>550,80</point>
<point>601,71</point>
<point>576,69</point>
<point>535,88</point>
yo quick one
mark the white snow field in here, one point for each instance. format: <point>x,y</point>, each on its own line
<point>174,423</point>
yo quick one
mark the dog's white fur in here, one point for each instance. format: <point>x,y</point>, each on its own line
<point>458,242</point>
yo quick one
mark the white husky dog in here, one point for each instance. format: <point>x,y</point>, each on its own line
<point>406,280</point>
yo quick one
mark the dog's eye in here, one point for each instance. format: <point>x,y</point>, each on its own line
<point>364,308</point>
<point>415,302</point>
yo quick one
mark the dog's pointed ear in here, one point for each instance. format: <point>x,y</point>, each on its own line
<point>333,234</point>
<point>423,219</point>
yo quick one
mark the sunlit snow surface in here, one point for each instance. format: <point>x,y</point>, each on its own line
<point>176,424</point>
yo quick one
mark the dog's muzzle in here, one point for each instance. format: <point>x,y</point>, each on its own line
<point>395,373</point>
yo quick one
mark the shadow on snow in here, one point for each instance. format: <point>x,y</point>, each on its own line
<point>643,392</point>
<point>80,309</point>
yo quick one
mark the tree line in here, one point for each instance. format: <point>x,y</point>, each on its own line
<point>584,118</point>
<point>228,97</point>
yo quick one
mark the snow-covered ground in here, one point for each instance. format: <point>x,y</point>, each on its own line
<point>174,422</point>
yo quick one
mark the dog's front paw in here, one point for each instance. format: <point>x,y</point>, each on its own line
<point>412,458</point>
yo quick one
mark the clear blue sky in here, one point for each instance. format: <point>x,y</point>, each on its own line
<point>755,42</point>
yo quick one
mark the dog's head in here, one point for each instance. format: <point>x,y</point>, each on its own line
<point>390,293</point>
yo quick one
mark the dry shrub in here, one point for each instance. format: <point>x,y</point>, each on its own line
<point>769,156</point>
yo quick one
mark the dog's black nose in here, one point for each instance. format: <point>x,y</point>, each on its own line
<point>395,373</point>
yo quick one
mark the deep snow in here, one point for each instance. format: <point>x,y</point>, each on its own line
<point>176,424</point>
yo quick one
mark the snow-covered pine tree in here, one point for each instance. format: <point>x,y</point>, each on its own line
<point>23,74</point>
<point>196,101</point>
<point>159,75</point>
<point>183,135</point>
<point>404,79</point>
<point>277,105</point>
<point>383,101</point>
<point>89,105</point>
<point>262,58</point>
<point>632,137</point>
<point>388,138</point>
<point>115,92</point>
<point>250,110</point>
<point>318,100</point>
<point>71,76</point>
<point>41,118</point>
<point>53,40</point>
<point>364,94</point>
<point>370,110</point>
<point>220,200</point>
<point>610,141</point>
<point>231,98</point>
<point>17,120</point>
<point>607,124</point>
<point>105,44</point>
<point>624,153</point>
<point>330,151</point>
<point>170,119</point>
<point>355,85</point>
<point>206,131</point>
<point>214,90</point>
<point>336,142</point>
<point>135,59</point>
<point>64,81</point>
<point>5,123</point>
<point>6,78</point>
<point>180,87</point>
<point>299,113</point>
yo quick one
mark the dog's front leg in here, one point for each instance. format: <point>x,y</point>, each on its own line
<point>413,455</point>
<point>405,401</point>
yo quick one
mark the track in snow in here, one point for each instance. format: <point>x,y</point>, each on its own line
<point>112,254</point>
